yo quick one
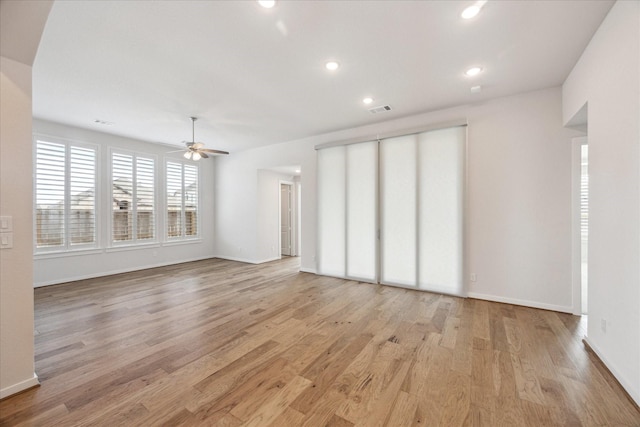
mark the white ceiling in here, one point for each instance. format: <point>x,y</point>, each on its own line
<point>256,76</point>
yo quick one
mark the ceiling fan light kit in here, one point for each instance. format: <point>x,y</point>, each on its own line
<point>195,150</point>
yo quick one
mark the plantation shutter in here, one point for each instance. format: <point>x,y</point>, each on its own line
<point>174,199</point>
<point>122,197</point>
<point>50,194</point>
<point>82,188</point>
<point>145,198</point>
<point>191,200</point>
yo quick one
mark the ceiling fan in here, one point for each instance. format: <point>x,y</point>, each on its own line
<point>196,150</point>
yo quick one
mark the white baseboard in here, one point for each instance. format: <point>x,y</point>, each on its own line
<point>268,260</point>
<point>118,271</point>
<point>634,394</point>
<point>525,303</point>
<point>248,261</point>
<point>308,270</point>
<point>21,386</point>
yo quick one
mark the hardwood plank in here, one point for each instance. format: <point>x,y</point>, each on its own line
<point>223,343</point>
<point>403,410</point>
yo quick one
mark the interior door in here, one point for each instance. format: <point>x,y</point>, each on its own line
<point>285,219</point>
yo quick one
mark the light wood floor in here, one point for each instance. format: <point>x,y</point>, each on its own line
<point>224,343</point>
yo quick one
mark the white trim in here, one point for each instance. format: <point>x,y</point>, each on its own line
<point>611,367</point>
<point>173,242</point>
<point>404,132</point>
<point>132,247</point>
<point>63,253</point>
<point>262,261</point>
<point>576,238</point>
<point>524,303</point>
<point>21,386</point>
<point>118,271</point>
<point>249,261</point>
<point>308,270</point>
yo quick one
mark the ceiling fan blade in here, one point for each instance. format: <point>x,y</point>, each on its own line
<point>203,155</point>
<point>209,150</point>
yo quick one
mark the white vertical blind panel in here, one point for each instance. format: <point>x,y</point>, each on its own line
<point>441,184</point>
<point>361,173</point>
<point>398,210</point>
<point>331,211</point>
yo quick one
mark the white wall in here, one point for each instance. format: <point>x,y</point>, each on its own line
<point>50,269</point>
<point>607,78</point>
<point>519,196</point>
<point>16,264</point>
<point>240,231</point>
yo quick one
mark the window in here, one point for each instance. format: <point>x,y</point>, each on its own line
<point>132,198</point>
<point>65,193</point>
<point>182,200</point>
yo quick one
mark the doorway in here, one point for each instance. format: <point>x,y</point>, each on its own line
<point>584,224</point>
<point>580,213</point>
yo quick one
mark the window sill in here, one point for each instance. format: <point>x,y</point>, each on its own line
<point>182,242</point>
<point>66,253</point>
<point>132,247</point>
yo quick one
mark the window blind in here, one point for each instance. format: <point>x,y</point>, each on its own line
<point>82,188</point>
<point>182,200</point>
<point>122,196</point>
<point>50,194</point>
<point>191,200</point>
<point>65,190</point>
<point>133,201</point>
<point>145,198</point>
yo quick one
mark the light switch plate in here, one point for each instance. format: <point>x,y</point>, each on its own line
<point>6,224</point>
<point>6,240</point>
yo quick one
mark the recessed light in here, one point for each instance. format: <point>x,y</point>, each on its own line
<point>367,100</point>
<point>476,89</point>
<point>267,4</point>
<point>472,10</point>
<point>297,170</point>
<point>332,65</point>
<point>473,71</point>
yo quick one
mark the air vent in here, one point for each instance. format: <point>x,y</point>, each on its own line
<point>382,109</point>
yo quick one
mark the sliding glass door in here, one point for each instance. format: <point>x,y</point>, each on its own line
<point>417,210</point>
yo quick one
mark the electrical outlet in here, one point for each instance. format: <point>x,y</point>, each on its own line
<point>474,277</point>
<point>603,325</point>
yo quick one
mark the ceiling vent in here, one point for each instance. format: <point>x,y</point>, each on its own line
<point>382,109</point>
